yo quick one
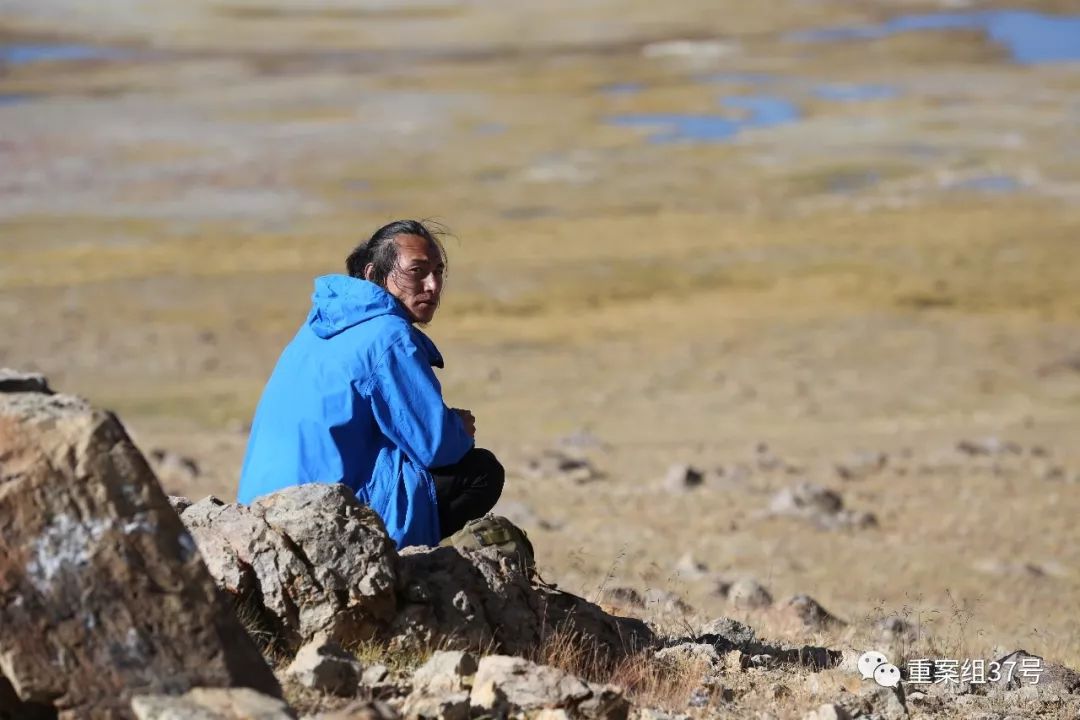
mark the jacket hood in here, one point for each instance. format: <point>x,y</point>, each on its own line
<point>340,302</point>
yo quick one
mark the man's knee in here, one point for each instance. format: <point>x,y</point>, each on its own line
<point>491,470</point>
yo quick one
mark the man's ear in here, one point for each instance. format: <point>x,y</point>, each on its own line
<point>368,270</point>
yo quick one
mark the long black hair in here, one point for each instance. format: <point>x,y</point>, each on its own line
<point>380,250</point>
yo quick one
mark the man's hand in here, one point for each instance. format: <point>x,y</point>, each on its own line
<point>468,419</point>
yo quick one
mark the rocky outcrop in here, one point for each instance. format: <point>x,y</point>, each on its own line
<point>480,599</point>
<point>211,704</point>
<point>506,685</point>
<point>103,593</point>
<point>312,560</point>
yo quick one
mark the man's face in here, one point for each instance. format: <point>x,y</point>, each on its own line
<point>417,281</point>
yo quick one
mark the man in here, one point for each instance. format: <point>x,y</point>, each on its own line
<point>353,398</point>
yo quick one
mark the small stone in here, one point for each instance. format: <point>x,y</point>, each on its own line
<point>699,697</point>
<point>767,461</point>
<point>746,594</point>
<point>210,704</point>
<point>896,628</point>
<point>726,634</point>
<point>173,467</point>
<point>666,602</point>
<point>828,712</point>
<point>454,706</point>
<point>558,464</point>
<point>861,466</point>
<point>323,665</point>
<point>887,703</point>
<point>690,568</point>
<point>625,596</point>
<point>179,503</point>
<point>988,446</point>
<point>16,381</point>
<point>374,674</point>
<point>688,653</point>
<point>806,498</point>
<point>680,478</point>
<point>444,672</point>
<point>361,710</point>
<point>807,612</point>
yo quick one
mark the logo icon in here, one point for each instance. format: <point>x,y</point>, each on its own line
<point>875,666</point>
<point>869,661</point>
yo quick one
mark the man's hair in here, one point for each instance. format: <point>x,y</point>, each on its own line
<point>381,251</point>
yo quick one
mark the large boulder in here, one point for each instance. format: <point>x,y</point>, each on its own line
<point>306,561</point>
<point>103,594</point>
<point>479,599</point>
<point>311,560</point>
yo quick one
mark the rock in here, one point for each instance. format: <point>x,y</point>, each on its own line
<point>324,666</point>
<point>479,600</point>
<point>745,594</point>
<point>988,446</point>
<point>726,634</point>
<point>624,597</point>
<point>211,704</point>
<point>179,504</point>
<point>818,504</point>
<point>15,381</point>
<point>680,478</point>
<point>173,468</point>
<point>666,603</point>
<point>806,499</point>
<point>444,672</point>
<point>896,629</point>
<point>861,466</point>
<point>689,568</point>
<point>302,561</point>
<point>1020,668</point>
<point>766,459</point>
<point>886,703</point>
<point>559,464</point>
<point>361,710</point>
<point>688,654</point>
<point>103,591</point>
<point>453,706</point>
<point>828,712</point>
<point>653,714</point>
<point>505,685</point>
<point>808,613</point>
<point>374,674</point>
<point>697,51</point>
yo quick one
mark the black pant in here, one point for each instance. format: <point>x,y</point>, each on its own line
<point>468,489</point>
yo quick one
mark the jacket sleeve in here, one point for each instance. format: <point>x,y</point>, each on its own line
<point>407,402</point>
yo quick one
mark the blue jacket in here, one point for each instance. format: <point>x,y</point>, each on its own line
<point>354,400</point>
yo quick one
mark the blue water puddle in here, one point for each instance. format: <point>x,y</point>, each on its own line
<point>836,92</point>
<point>998,184</point>
<point>14,98</point>
<point>1030,37</point>
<point>761,111</point>
<point>25,54</point>
<point>623,88</point>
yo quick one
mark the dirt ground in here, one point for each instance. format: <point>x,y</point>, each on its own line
<point>895,270</point>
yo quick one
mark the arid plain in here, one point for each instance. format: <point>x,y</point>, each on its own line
<point>685,233</point>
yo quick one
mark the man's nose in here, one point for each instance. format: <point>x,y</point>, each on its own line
<point>431,283</point>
